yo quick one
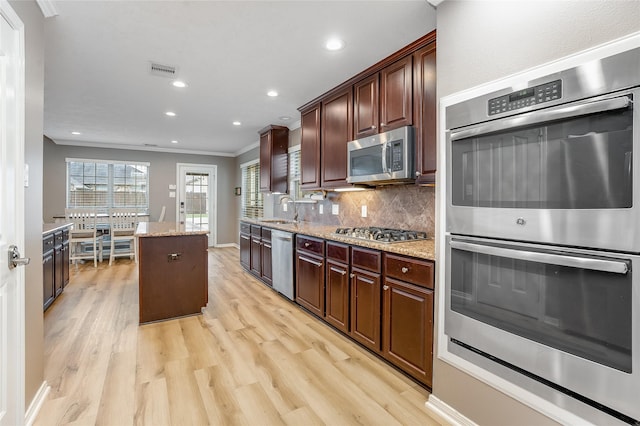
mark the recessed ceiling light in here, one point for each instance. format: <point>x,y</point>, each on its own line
<point>272,93</point>
<point>76,133</point>
<point>285,118</point>
<point>180,84</point>
<point>174,141</point>
<point>170,113</point>
<point>334,44</point>
<point>236,123</point>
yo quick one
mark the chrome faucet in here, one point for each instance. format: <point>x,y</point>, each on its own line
<point>288,199</point>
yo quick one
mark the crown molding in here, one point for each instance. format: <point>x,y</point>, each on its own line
<point>247,149</point>
<point>48,8</point>
<point>143,148</point>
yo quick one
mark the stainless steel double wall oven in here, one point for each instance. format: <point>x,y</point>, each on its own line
<point>543,231</point>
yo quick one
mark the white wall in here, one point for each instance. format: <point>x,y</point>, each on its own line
<point>481,41</point>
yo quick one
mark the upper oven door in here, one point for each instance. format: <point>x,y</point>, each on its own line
<point>562,175</point>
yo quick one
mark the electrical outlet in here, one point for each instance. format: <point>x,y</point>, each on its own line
<point>335,209</point>
<point>320,209</point>
<point>364,211</point>
<point>285,207</point>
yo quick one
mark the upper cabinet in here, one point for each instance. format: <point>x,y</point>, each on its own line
<point>384,100</point>
<point>337,122</point>
<point>425,113</point>
<point>274,167</point>
<point>310,147</point>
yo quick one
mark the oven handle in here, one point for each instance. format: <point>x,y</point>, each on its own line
<point>616,267</point>
<point>565,111</point>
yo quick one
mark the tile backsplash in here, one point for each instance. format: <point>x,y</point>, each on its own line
<point>400,206</point>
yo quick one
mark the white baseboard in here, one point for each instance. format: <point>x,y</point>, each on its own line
<point>36,404</point>
<point>228,245</point>
<point>446,414</point>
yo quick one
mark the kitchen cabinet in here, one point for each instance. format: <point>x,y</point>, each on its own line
<point>336,131</point>
<point>384,100</point>
<point>256,250</point>
<point>408,315</point>
<point>265,257</point>
<point>337,286</point>
<point>55,263</point>
<point>310,147</point>
<point>310,273</point>
<point>425,113</point>
<point>245,245</point>
<point>48,270</point>
<point>274,167</point>
<point>365,297</point>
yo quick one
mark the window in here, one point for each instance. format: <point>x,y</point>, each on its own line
<point>107,184</point>
<point>252,204</point>
<point>294,173</point>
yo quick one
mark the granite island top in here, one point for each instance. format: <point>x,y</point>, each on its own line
<point>422,249</point>
<point>48,228</point>
<point>167,229</point>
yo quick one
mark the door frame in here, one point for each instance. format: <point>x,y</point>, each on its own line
<point>212,169</point>
<point>19,303</point>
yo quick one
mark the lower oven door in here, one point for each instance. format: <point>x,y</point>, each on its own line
<point>568,316</point>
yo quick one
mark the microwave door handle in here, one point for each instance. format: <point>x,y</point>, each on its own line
<point>384,157</point>
<point>616,267</point>
<point>542,116</point>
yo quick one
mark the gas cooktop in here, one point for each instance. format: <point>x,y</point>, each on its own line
<point>382,235</point>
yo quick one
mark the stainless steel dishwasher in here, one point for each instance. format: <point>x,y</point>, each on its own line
<point>282,262</point>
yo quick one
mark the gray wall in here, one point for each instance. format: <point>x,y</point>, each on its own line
<point>162,173</point>
<point>32,18</point>
<point>480,41</point>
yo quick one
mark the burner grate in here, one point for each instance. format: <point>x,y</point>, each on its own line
<point>383,235</point>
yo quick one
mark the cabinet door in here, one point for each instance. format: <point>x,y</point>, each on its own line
<point>408,328</point>
<point>365,308</point>
<point>365,107</point>
<point>337,127</point>
<point>256,255</point>
<point>337,295</point>
<point>65,264</point>
<point>48,279</point>
<point>310,148</point>
<point>310,282</point>
<point>396,95</point>
<point>58,279</point>
<point>265,162</point>
<point>266,263</point>
<point>425,113</point>
<point>245,251</point>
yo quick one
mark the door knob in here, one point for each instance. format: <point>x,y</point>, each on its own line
<point>15,259</point>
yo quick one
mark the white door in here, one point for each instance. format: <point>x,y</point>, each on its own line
<point>196,197</point>
<point>11,216</point>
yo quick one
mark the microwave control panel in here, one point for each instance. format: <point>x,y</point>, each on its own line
<point>396,156</point>
<point>523,98</point>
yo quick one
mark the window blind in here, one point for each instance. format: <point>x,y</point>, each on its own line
<point>252,202</point>
<point>295,173</point>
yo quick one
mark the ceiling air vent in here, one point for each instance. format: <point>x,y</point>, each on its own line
<point>150,144</point>
<point>163,70</point>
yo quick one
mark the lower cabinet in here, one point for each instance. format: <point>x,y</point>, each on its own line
<point>255,251</point>
<point>265,257</point>
<point>310,274</point>
<point>48,279</point>
<point>365,297</point>
<point>337,286</point>
<point>55,265</point>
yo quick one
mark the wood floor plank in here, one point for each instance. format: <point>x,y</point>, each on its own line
<point>185,404</point>
<point>152,404</point>
<point>217,392</point>
<point>117,404</point>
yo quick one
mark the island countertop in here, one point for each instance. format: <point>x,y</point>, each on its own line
<point>49,228</point>
<point>167,229</point>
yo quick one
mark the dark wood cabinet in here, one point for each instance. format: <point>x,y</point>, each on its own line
<point>408,315</point>
<point>337,286</point>
<point>425,113</point>
<point>55,264</point>
<point>256,250</point>
<point>337,130</point>
<point>396,95</point>
<point>266,272</point>
<point>245,245</point>
<point>366,107</point>
<point>274,167</point>
<point>310,147</point>
<point>65,260</point>
<point>310,274</point>
<point>48,270</point>
<point>365,297</point>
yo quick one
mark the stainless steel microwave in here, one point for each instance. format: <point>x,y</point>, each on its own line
<point>382,159</point>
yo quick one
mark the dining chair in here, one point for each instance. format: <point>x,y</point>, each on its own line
<point>84,234</point>
<point>123,223</point>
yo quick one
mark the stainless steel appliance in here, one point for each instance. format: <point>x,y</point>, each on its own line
<point>385,158</point>
<point>543,207</point>
<point>381,235</point>
<point>282,262</point>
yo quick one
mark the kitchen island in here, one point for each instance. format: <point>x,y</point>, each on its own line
<point>172,270</point>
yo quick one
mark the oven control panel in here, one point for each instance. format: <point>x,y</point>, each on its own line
<point>523,98</point>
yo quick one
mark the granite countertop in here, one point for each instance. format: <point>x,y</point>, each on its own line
<point>423,249</point>
<point>167,229</point>
<point>49,228</point>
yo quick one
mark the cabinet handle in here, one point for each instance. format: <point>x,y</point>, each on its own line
<point>383,125</point>
<point>418,174</point>
<point>313,262</point>
<point>352,275</point>
<point>266,245</point>
<point>340,271</point>
<point>373,127</point>
<point>404,269</point>
<point>385,287</point>
<point>307,244</point>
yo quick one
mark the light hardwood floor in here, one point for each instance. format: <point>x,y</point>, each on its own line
<point>252,358</point>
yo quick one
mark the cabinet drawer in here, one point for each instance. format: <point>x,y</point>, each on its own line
<point>414,271</point>
<point>311,244</point>
<point>65,236</point>
<point>338,252</point>
<point>245,228</point>
<point>266,234</point>
<point>47,243</point>
<point>57,237</point>
<point>366,259</point>
<point>256,230</point>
